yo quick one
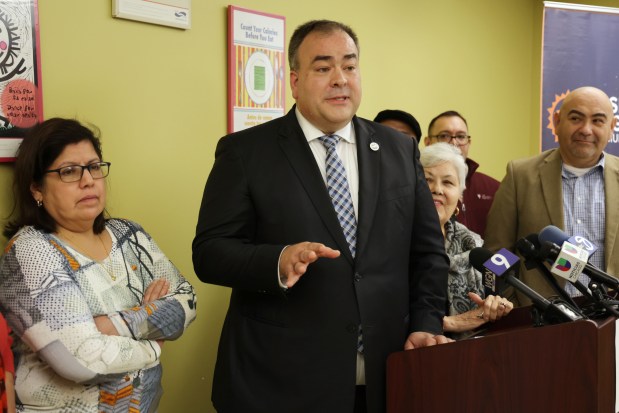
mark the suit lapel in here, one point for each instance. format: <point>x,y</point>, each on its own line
<point>369,178</point>
<point>550,177</point>
<point>302,161</point>
<point>611,192</point>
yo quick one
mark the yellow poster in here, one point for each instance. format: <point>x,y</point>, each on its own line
<point>257,68</point>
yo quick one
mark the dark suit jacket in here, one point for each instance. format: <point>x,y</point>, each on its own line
<point>296,351</point>
<point>531,197</point>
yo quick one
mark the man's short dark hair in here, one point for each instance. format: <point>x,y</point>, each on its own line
<point>321,26</point>
<point>396,114</point>
<point>446,114</point>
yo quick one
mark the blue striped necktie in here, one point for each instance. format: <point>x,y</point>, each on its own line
<point>339,191</point>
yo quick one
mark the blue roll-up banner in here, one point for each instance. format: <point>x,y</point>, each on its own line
<point>580,48</point>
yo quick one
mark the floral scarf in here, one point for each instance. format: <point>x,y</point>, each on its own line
<point>463,278</point>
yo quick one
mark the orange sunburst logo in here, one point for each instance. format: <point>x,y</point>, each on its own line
<point>551,110</point>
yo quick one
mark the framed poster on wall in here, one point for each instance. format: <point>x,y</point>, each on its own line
<point>21,101</point>
<point>173,13</point>
<point>584,55</point>
<point>256,67</point>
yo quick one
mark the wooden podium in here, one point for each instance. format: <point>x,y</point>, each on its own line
<point>512,368</point>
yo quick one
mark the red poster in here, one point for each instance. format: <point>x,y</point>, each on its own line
<point>21,103</point>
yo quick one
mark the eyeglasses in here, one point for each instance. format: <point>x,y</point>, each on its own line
<point>445,137</point>
<point>74,173</point>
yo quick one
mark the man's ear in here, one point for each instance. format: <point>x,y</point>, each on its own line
<point>556,118</point>
<point>294,78</point>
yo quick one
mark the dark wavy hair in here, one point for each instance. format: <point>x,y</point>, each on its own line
<point>320,26</point>
<point>41,146</point>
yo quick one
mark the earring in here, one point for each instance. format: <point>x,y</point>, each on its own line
<point>457,211</point>
<point>39,203</point>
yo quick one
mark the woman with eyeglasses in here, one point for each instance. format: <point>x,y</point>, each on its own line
<point>445,171</point>
<point>91,299</point>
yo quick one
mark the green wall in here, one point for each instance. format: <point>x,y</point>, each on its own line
<point>158,95</point>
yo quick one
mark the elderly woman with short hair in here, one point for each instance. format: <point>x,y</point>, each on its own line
<point>468,309</point>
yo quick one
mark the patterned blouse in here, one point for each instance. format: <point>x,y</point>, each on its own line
<point>50,293</point>
<point>463,278</point>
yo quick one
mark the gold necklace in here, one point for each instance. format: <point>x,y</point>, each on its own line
<point>102,263</point>
<point>105,261</point>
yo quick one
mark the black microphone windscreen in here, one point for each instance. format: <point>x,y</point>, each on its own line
<point>533,239</point>
<point>549,250</point>
<point>529,249</point>
<point>553,234</point>
<point>478,256</point>
<point>526,248</point>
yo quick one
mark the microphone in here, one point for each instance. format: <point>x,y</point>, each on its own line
<point>529,248</point>
<point>553,251</point>
<point>489,281</point>
<point>502,265</point>
<point>554,234</point>
<point>570,262</point>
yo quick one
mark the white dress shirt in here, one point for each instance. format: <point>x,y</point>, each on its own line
<point>347,151</point>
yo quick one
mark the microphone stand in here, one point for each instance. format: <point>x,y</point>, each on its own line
<point>532,260</point>
<point>597,291</point>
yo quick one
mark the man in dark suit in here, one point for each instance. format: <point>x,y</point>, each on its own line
<point>305,292</point>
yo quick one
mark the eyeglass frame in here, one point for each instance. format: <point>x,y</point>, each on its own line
<point>84,167</point>
<point>452,137</point>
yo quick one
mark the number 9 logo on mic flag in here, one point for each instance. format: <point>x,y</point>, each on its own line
<point>583,243</point>
<point>501,262</point>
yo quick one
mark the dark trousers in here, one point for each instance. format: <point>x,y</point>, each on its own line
<point>360,404</point>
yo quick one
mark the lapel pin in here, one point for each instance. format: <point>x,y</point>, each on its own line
<point>374,146</point>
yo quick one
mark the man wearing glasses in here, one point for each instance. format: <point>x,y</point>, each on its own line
<point>472,210</point>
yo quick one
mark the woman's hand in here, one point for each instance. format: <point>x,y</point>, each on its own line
<point>105,325</point>
<point>493,308</point>
<point>155,290</point>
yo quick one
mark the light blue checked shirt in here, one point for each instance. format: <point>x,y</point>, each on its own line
<point>584,210</point>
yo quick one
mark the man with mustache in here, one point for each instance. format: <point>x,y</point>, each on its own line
<point>574,187</point>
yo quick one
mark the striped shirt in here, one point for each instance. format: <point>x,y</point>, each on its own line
<point>584,210</point>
